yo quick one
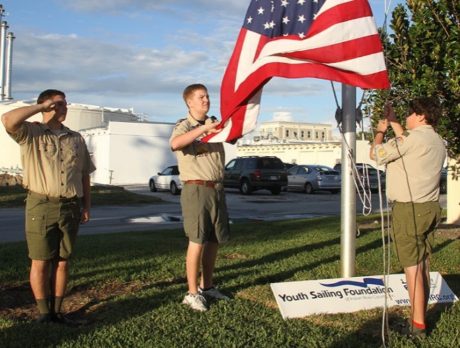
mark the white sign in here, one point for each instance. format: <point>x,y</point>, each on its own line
<point>344,295</point>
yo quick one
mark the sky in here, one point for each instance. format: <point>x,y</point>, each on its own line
<point>141,54</point>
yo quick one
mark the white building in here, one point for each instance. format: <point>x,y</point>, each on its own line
<point>131,152</point>
<point>124,149</point>
<point>79,116</point>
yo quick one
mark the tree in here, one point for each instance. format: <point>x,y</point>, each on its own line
<point>423,59</point>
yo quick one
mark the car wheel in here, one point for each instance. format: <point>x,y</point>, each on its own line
<point>152,186</point>
<point>173,188</point>
<point>308,188</point>
<point>276,190</point>
<point>245,187</point>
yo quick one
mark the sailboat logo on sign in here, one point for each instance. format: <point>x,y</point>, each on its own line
<point>363,284</point>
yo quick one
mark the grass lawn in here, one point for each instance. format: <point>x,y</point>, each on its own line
<point>14,196</point>
<point>130,286</point>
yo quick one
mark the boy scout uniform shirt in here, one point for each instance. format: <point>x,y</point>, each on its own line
<point>198,161</point>
<point>414,162</point>
<point>53,165</point>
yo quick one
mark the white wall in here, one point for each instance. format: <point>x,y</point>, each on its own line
<point>131,152</point>
<point>453,197</point>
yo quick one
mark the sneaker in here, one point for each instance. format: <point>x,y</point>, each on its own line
<point>196,302</point>
<point>213,293</point>
<point>60,318</point>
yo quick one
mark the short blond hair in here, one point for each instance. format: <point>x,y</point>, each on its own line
<point>189,90</point>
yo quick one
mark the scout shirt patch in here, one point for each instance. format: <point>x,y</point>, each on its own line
<point>381,153</point>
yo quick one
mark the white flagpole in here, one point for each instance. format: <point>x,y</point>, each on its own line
<point>348,194</point>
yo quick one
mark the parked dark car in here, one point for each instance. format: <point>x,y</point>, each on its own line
<point>443,181</point>
<point>255,173</point>
<point>310,178</point>
<point>168,179</point>
<point>288,165</point>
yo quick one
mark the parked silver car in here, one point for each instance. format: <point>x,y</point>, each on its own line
<point>369,176</point>
<point>168,179</point>
<point>310,178</point>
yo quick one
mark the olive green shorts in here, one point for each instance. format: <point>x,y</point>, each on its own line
<point>413,230</point>
<point>51,226</point>
<point>205,213</point>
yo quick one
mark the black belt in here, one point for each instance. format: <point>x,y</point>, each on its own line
<point>53,199</point>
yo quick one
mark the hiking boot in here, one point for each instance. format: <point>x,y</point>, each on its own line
<point>60,318</point>
<point>44,318</point>
<point>196,302</point>
<point>213,293</point>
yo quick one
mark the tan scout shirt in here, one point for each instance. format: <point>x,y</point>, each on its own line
<point>53,164</point>
<point>198,161</point>
<point>414,162</point>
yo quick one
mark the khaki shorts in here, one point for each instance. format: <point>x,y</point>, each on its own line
<point>51,226</point>
<point>205,213</point>
<point>413,230</point>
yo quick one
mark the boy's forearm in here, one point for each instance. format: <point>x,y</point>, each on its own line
<point>13,119</point>
<point>397,128</point>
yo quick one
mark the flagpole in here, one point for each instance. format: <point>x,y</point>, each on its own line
<point>348,195</point>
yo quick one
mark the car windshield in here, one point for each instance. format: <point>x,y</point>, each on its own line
<point>270,163</point>
<point>326,170</point>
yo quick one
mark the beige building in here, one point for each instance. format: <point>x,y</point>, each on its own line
<point>328,153</point>
<point>300,143</point>
<point>295,131</point>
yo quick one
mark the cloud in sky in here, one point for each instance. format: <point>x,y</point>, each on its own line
<point>155,5</point>
<point>141,54</point>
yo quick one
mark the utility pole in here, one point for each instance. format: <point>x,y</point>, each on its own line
<point>348,195</point>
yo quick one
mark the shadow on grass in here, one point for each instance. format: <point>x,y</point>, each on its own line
<point>108,312</point>
<point>247,267</point>
<point>453,280</point>
<point>165,295</point>
<point>443,245</point>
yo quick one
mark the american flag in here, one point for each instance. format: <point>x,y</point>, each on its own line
<point>327,39</point>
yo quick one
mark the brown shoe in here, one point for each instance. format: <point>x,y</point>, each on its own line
<point>44,318</point>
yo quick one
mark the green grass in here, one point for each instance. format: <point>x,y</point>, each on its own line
<point>130,286</point>
<point>14,196</point>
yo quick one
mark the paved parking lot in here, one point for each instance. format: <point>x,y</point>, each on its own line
<point>261,205</point>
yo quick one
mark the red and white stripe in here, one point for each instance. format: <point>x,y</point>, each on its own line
<point>342,45</point>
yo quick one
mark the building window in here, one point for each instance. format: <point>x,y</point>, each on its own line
<point>322,135</point>
<point>287,133</point>
<point>302,134</point>
<point>316,135</point>
<point>309,135</point>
